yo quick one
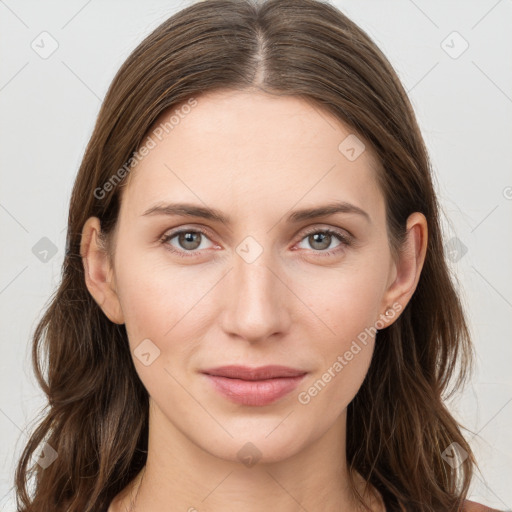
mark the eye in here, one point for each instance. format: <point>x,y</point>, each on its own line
<point>188,241</point>
<point>321,239</point>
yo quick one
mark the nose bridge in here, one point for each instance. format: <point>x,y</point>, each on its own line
<point>255,304</point>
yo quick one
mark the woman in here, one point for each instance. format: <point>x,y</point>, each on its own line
<point>255,310</point>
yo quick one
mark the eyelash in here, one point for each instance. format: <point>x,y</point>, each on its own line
<point>346,241</point>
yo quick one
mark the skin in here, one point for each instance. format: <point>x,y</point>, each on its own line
<point>255,157</point>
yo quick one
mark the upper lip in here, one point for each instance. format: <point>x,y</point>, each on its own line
<point>258,373</point>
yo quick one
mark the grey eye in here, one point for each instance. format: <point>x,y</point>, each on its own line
<point>189,239</point>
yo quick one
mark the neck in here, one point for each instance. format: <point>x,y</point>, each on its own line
<point>179,475</point>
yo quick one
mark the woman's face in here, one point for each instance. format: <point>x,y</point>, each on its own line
<point>266,286</point>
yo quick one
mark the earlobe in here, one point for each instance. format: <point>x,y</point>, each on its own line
<point>408,267</point>
<point>99,275</point>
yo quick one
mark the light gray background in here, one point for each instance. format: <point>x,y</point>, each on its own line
<point>464,107</point>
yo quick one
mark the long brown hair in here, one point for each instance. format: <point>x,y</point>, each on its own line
<point>398,426</point>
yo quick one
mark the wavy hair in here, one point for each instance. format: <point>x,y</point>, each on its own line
<point>398,424</point>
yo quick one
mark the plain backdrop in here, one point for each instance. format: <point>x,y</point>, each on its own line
<point>453,59</point>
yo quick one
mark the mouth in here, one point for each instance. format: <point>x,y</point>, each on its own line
<point>254,386</point>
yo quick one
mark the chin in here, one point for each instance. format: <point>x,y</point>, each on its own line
<point>260,442</point>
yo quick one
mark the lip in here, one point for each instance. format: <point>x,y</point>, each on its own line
<point>256,373</point>
<point>254,386</point>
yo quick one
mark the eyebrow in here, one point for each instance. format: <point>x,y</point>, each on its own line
<point>192,210</point>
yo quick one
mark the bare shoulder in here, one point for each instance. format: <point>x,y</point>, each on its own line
<point>471,506</point>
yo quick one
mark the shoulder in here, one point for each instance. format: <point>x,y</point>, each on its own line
<point>471,506</point>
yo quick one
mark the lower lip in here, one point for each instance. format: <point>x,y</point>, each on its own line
<point>254,392</point>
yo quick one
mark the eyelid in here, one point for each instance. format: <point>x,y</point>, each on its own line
<point>342,232</point>
<point>169,234</point>
<point>346,240</point>
<point>344,236</point>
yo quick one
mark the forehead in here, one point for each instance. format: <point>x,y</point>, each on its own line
<point>239,149</point>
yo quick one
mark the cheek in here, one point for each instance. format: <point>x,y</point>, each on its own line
<point>344,354</point>
<point>146,303</point>
<point>159,299</point>
<point>158,304</point>
<point>143,293</point>
<point>348,302</point>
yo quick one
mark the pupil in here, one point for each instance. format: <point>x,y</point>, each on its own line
<point>321,237</point>
<point>188,238</point>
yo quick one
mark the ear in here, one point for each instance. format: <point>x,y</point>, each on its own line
<point>99,275</point>
<point>405,272</point>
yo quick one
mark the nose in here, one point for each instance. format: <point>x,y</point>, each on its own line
<point>257,301</point>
